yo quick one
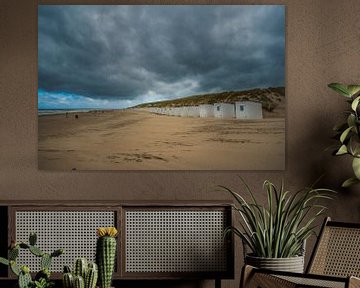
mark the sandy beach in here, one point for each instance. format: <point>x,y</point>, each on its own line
<point>139,140</point>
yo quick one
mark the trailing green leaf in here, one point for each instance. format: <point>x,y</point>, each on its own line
<point>349,182</point>
<point>342,150</point>
<point>349,133</point>
<point>340,88</point>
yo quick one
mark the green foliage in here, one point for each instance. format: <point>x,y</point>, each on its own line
<point>348,132</point>
<point>42,278</point>
<point>42,283</point>
<point>279,229</point>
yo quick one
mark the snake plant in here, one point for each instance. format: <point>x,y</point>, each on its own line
<point>279,228</point>
<point>348,132</point>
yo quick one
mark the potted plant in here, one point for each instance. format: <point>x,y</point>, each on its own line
<point>276,233</point>
<point>348,132</point>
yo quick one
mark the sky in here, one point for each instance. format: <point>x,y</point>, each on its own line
<point>118,56</point>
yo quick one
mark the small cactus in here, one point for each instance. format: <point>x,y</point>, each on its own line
<point>24,278</point>
<point>36,251</point>
<point>45,261</point>
<point>57,252</point>
<point>44,273</point>
<point>79,282</point>
<point>91,276</point>
<point>90,272</point>
<point>14,268</point>
<point>4,261</point>
<point>13,253</point>
<point>80,268</point>
<point>67,278</point>
<point>32,238</point>
<point>106,254</point>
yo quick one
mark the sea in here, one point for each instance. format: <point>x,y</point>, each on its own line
<point>42,112</point>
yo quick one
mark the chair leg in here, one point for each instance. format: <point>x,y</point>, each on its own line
<point>246,274</point>
<point>354,282</point>
<point>251,279</point>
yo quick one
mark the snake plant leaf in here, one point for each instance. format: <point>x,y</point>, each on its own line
<point>340,88</point>
<point>349,182</point>
<point>342,150</point>
<point>355,103</point>
<point>345,134</point>
<point>279,228</point>
<point>353,89</point>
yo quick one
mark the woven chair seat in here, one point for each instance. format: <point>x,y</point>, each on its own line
<point>335,262</point>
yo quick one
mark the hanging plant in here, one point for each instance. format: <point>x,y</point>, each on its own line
<point>348,132</point>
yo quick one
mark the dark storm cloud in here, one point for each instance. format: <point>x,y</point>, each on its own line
<point>130,52</point>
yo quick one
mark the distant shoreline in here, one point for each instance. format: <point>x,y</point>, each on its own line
<point>51,112</point>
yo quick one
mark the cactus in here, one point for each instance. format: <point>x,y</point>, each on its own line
<point>32,238</point>
<point>91,276</point>
<point>57,252</point>
<point>36,251</point>
<point>42,278</point>
<point>67,269</point>
<point>68,280</point>
<point>44,273</point>
<point>13,253</point>
<point>45,261</point>
<point>14,268</point>
<point>24,279</point>
<point>80,267</point>
<point>106,254</point>
<point>4,261</point>
<point>90,272</point>
<point>79,282</point>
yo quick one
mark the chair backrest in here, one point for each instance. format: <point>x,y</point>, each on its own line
<point>337,251</point>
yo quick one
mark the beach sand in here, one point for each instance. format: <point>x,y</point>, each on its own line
<point>139,140</point>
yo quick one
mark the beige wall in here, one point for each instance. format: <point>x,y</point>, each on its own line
<point>323,46</point>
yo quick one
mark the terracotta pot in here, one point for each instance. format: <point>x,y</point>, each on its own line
<point>291,264</point>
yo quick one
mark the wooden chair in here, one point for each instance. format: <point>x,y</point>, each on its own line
<point>334,263</point>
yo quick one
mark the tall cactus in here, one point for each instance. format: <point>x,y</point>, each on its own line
<point>106,254</point>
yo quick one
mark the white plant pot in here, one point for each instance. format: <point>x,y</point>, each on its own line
<point>291,264</point>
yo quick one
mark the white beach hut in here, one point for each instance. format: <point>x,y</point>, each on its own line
<point>224,110</point>
<point>248,110</point>
<point>206,110</point>
<point>193,111</point>
<point>177,111</point>
<point>184,111</point>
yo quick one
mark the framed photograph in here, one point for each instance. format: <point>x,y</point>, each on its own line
<point>161,87</point>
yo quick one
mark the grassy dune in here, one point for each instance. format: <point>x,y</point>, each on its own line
<point>270,98</point>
